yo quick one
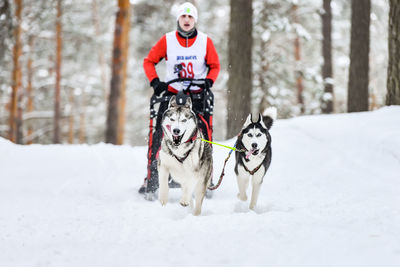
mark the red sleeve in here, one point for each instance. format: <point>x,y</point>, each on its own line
<point>156,54</point>
<point>212,61</point>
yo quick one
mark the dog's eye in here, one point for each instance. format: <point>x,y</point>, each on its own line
<point>184,120</point>
<point>249,135</point>
<point>172,119</point>
<point>258,135</point>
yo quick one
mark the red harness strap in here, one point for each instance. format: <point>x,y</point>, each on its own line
<point>194,137</point>
<point>150,148</point>
<point>209,131</point>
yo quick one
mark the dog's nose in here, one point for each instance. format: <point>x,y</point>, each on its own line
<point>176,131</point>
<point>254,145</point>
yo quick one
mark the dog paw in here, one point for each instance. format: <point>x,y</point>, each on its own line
<point>197,212</point>
<point>242,197</point>
<point>184,204</point>
<point>163,200</point>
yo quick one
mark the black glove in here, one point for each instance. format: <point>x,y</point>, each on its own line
<point>208,83</point>
<point>158,86</point>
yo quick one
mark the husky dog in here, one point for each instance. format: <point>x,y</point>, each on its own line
<point>255,140</point>
<point>183,155</point>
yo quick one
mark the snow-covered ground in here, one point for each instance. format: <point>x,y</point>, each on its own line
<point>331,198</point>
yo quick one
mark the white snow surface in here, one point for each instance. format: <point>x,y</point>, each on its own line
<point>330,198</point>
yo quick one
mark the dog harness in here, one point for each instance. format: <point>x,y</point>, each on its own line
<point>253,171</point>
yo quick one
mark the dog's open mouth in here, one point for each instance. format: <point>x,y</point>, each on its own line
<point>252,152</point>
<point>177,139</point>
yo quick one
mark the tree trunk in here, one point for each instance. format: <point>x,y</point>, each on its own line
<point>16,74</point>
<point>82,119</point>
<point>29,90</point>
<point>18,121</point>
<point>240,65</point>
<point>393,74</point>
<point>119,64</point>
<point>71,121</point>
<point>122,100</point>
<point>327,75</point>
<point>299,73</point>
<point>100,52</point>
<point>57,107</point>
<point>359,51</point>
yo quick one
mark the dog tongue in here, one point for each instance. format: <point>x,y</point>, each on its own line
<point>248,154</point>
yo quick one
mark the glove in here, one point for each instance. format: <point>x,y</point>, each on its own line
<point>158,86</point>
<point>208,83</point>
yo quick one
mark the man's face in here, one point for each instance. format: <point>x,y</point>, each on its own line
<point>186,22</point>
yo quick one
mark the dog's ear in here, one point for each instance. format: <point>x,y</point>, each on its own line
<point>172,102</point>
<point>261,121</point>
<point>269,116</point>
<point>248,121</point>
<point>188,103</point>
<point>259,118</point>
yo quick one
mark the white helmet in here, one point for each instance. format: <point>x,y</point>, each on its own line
<point>187,9</point>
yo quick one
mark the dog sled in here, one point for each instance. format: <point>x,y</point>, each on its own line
<point>204,99</point>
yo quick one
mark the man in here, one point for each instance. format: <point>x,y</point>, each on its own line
<point>196,54</point>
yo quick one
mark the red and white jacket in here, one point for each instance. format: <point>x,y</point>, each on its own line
<point>184,47</point>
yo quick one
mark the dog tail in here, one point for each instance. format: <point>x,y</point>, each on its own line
<point>269,116</point>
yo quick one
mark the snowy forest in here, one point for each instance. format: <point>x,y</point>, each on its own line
<point>306,57</point>
<point>71,73</point>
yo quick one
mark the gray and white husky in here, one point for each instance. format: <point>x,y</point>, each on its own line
<point>255,140</point>
<point>183,155</point>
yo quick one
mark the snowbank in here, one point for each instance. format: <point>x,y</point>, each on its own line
<point>330,199</point>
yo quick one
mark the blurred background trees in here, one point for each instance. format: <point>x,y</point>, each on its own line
<point>393,77</point>
<point>289,69</point>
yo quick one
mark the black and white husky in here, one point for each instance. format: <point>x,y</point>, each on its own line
<point>183,155</point>
<point>255,140</point>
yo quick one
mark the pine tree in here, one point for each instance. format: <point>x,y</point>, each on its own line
<point>57,104</point>
<point>16,74</point>
<point>327,101</point>
<point>359,62</point>
<point>297,56</point>
<point>393,74</point>
<point>118,80</point>
<point>240,65</point>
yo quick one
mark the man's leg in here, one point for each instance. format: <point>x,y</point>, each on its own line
<point>155,137</point>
